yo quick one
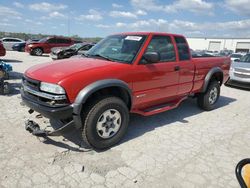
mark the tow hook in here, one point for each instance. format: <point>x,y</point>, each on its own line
<point>33,127</point>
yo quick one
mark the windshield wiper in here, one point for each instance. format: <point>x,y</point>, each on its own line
<point>101,56</point>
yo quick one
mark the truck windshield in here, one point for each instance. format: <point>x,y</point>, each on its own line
<point>119,48</point>
<point>245,58</point>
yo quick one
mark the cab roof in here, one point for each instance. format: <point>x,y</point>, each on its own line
<point>147,33</point>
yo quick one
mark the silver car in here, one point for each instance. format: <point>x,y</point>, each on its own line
<point>8,42</point>
<point>240,72</point>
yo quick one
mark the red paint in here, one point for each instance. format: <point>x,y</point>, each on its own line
<point>2,49</point>
<point>45,46</point>
<point>151,84</point>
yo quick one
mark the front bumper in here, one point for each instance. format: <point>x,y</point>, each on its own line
<point>238,84</point>
<point>28,49</point>
<point>2,52</point>
<point>61,113</point>
<point>53,56</point>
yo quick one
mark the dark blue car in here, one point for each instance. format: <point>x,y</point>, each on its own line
<point>20,47</point>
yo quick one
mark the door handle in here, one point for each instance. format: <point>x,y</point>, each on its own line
<point>177,68</point>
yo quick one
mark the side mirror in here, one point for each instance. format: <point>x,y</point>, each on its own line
<point>237,60</point>
<point>151,57</point>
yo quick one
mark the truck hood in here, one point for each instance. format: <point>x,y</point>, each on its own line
<point>56,71</point>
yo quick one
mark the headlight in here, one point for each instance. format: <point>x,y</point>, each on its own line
<point>51,88</point>
<point>231,68</point>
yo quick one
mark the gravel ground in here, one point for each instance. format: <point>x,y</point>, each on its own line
<point>184,147</point>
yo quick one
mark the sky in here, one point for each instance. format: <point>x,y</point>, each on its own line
<point>99,18</point>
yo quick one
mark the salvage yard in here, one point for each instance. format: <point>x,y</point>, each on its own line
<point>185,147</point>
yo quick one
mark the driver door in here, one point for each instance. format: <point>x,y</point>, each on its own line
<point>157,83</point>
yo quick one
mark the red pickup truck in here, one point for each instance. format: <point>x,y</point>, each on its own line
<point>138,72</point>
<point>46,44</point>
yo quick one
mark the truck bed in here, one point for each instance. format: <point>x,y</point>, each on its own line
<point>204,64</point>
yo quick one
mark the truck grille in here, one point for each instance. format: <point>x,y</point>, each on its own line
<point>242,70</point>
<point>33,84</point>
<point>241,75</point>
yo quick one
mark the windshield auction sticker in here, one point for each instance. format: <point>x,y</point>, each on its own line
<point>136,38</point>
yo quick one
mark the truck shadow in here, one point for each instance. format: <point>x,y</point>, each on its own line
<point>139,125</point>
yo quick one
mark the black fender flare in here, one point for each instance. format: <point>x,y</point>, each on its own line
<point>87,91</point>
<point>209,75</point>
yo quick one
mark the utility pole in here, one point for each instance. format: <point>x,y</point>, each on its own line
<point>68,25</point>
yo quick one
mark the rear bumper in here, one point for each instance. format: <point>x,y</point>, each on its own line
<point>15,48</point>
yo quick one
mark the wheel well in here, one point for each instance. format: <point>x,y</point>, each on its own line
<point>114,91</point>
<point>218,76</point>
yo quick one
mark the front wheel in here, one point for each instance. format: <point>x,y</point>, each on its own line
<point>207,100</point>
<point>37,51</point>
<point>105,123</point>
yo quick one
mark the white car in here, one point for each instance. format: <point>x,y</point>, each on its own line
<point>8,42</point>
<point>235,56</point>
<point>240,72</point>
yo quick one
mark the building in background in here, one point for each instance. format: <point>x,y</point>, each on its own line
<point>238,45</point>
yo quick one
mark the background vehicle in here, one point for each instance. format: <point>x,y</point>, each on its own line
<point>46,44</point>
<point>213,53</point>
<point>140,72</point>
<point>20,47</point>
<point>2,49</point>
<point>8,42</point>
<point>66,52</point>
<point>235,56</point>
<point>240,72</point>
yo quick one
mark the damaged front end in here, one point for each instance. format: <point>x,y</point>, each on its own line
<point>52,106</point>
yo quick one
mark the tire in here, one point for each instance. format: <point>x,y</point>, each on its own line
<point>22,49</point>
<point>207,100</point>
<point>6,76</point>
<point>37,51</point>
<point>95,118</point>
<point>1,87</point>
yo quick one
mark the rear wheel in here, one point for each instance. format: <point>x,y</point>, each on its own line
<point>37,51</point>
<point>105,122</point>
<point>207,100</point>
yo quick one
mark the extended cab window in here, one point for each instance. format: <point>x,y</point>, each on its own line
<point>183,49</point>
<point>163,46</point>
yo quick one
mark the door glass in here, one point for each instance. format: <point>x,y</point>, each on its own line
<point>164,47</point>
<point>183,49</point>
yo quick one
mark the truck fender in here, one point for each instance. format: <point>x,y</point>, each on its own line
<point>209,76</point>
<point>86,92</point>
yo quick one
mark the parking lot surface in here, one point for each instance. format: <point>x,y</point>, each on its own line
<point>184,147</point>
